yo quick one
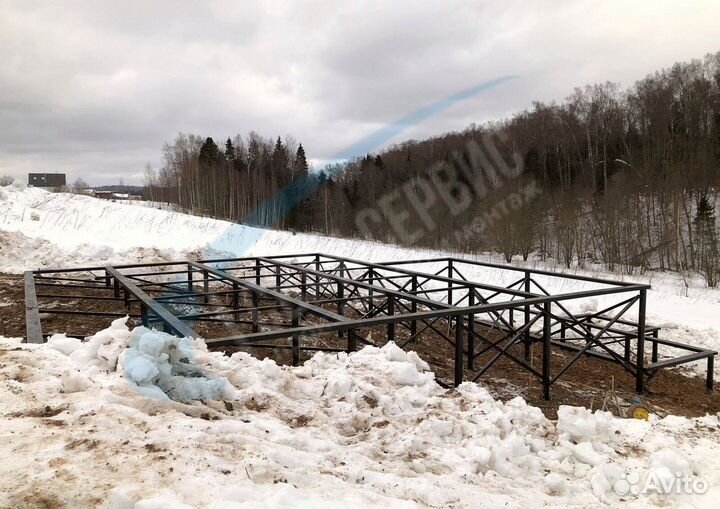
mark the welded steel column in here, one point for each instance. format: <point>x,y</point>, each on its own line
<point>317,276</point>
<point>640,355</point>
<point>371,292</point>
<point>546,351</point>
<point>471,332</point>
<point>236,300</point>
<point>258,271</point>
<point>528,337</point>
<point>144,315</point>
<point>450,275</point>
<point>303,285</point>
<point>709,381</point>
<point>458,350</point>
<point>391,312</point>
<point>654,357</point>
<point>295,337</point>
<point>627,339</point>
<point>413,308</point>
<point>190,278</point>
<point>341,302</point>
<point>351,340</point>
<point>206,286</point>
<point>255,304</point>
<point>342,269</point>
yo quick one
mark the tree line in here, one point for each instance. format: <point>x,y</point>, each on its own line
<point>238,182</point>
<point>626,178</point>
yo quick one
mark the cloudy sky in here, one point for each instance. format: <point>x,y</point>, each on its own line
<point>94,89</point>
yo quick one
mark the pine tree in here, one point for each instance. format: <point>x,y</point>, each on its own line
<point>706,240</point>
<point>208,153</point>
<point>301,164</point>
<point>229,152</point>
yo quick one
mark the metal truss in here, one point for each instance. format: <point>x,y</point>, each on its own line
<point>319,302</point>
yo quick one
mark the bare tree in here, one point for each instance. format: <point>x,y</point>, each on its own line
<point>79,186</point>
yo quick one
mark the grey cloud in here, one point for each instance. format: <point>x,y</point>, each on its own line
<point>96,88</point>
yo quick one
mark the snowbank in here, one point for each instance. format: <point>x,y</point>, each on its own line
<point>90,424</point>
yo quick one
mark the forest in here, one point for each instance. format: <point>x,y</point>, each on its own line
<point>625,178</point>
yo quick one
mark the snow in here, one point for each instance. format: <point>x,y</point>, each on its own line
<point>140,419</point>
<point>92,425</point>
<point>161,365</point>
<point>581,425</point>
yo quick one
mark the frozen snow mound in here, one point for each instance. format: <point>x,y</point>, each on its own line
<point>367,429</point>
<point>161,365</point>
<point>155,363</point>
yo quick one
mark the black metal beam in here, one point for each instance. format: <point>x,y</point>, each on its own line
<point>377,288</point>
<point>171,322</point>
<point>280,297</point>
<point>433,313</point>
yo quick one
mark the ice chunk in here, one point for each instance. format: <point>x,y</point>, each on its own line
<point>74,381</point>
<point>407,374</point>
<point>672,461</point>
<point>394,353</point>
<point>420,364</point>
<point>139,368</point>
<point>64,344</point>
<point>555,483</point>
<point>162,365</point>
<point>585,453</point>
<point>182,388</point>
<point>163,501</point>
<point>102,349</point>
<point>339,385</point>
<point>581,425</point>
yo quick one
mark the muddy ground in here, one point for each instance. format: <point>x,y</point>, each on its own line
<point>587,383</point>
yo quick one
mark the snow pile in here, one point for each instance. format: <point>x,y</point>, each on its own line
<point>370,429</point>
<point>19,252</point>
<point>161,366</point>
<point>100,351</point>
<point>581,425</point>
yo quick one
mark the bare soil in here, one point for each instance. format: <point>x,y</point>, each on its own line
<point>585,384</point>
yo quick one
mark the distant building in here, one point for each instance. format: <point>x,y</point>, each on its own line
<point>49,180</point>
<point>112,195</point>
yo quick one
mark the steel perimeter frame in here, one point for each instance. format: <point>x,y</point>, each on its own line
<point>394,295</point>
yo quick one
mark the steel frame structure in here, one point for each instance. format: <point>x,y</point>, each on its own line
<point>281,301</point>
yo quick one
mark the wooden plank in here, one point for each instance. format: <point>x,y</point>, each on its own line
<point>170,320</point>
<point>33,327</point>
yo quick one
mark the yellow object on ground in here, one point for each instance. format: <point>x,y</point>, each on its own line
<point>638,411</point>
